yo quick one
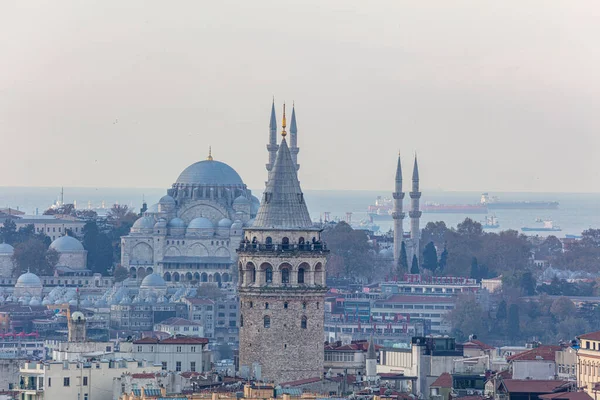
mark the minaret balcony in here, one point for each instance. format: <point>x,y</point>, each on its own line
<point>318,247</point>
<point>415,214</point>
<point>398,195</point>
<point>398,215</point>
<point>415,195</point>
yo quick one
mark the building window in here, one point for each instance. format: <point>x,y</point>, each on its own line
<point>85,396</point>
<point>179,349</point>
<point>250,304</point>
<point>193,366</point>
<point>285,305</point>
<point>304,306</point>
<point>266,306</point>
<point>285,275</point>
<point>267,321</point>
<point>303,322</point>
<point>139,348</point>
<point>269,275</point>
<point>164,366</point>
<point>49,382</point>
<point>300,275</point>
<point>241,320</point>
<point>66,381</point>
<point>193,349</point>
<point>85,381</point>
<point>178,366</point>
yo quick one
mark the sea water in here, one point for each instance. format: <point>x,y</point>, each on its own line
<point>576,212</point>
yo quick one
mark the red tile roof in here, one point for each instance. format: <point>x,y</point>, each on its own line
<point>566,396</point>
<point>196,301</point>
<point>179,339</point>
<point>443,381</point>
<point>176,321</point>
<point>531,385</point>
<point>547,353</point>
<point>143,376</point>
<point>301,382</point>
<point>590,336</point>
<point>477,344</point>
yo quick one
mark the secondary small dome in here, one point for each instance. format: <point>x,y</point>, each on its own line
<point>144,223</point>
<point>200,223</point>
<point>225,223</point>
<point>28,280</point>
<point>166,199</point>
<point>6,248</point>
<point>153,281</point>
<point>66,243</point>
<point>241,200</point>
<point>176,223</point>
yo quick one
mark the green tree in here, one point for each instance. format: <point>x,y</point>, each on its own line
<point>8,232</point>
<point>528,283</point>
<point>403,261</point>
<point>99,247</point>
<point>467,317</point>
<point>435,232</point>
<point>562,308</point>
<point>443,260</point>
<point>474,269</point>
<point>353,247</point>
<point>120,274</point>
<point>514,322</point>
<point>35,257</point>
<point>502,312</point>
<point>430,257</point>
<point>414,269</point>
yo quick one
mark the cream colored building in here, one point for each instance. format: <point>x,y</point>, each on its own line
<point>57,380</point>
<point>588,362</point>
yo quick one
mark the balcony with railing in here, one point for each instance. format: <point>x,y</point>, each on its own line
<point>318,247</point>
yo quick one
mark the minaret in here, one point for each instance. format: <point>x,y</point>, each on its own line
<point>415,213</point>
<point>371,362</point>
<point>281,283</point>
<point>294,138</point>
<point>397,214</point>
<point>272,145</point>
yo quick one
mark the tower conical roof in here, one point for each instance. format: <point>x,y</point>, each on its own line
<point>371,354</point>
<point>283,205</point>
<point>273,122</point>
<point>293,127</point>
<point>415,176</point>
<point>399,170</point>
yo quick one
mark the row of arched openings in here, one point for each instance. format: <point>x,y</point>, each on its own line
<point>196,276</point>
<point>267,321</point>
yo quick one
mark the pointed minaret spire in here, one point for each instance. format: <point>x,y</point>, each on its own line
<point>397,213</point>
<point>210,157</point>
<point>283,123</point>
<point>294,138</point>
<point>415,213</point>
<point>272,144</point>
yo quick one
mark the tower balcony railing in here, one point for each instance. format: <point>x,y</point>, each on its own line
<point>283,247</point>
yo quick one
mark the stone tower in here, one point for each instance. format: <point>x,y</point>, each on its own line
<point>282,282</point>
<point>77,327</point>
<point>397,214</point>
<point>371,362</point>
<point>294,149</point>
<point>415,213</point>
<point>272,145</point>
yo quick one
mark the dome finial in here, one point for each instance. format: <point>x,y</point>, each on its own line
<point>210,157</point>
<point>283,132</point>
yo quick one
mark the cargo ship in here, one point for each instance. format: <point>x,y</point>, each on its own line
<point>436,208</point>
<point>382,209</point>
<point>493,203</point>
<point>547,227</point>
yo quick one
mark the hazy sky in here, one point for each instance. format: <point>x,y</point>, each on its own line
<point>493,95</point>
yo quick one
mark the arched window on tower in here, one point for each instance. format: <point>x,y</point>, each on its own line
<point>300,275</point>
<point>267,321</point>
<point>301,243</point>
<point>266,306</point>
<point>303,322</point>
<point>269,275</point>
<point>285,275</point>
<point>285,243</point>
<point>285,305</point>
<point>269,242</point>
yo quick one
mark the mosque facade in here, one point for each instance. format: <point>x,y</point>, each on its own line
<point>191,234</point>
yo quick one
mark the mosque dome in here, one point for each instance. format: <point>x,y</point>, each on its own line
<point>210,172</point>
<point>167,200</point>
<point>29,280</point>
<point>176,223</point>
<point>66,243</point>
<point>46,301</point>
<point>6,248</point>
<point>237,225</point>
<point>77,316</point>
<point>225,223</point>
<point>143,225</point>
<point>34,302</point>
<point>241,200</point>
<point>153,209</point>
<point>200,223</point>
<point>161,223</point>
<point>153,281</point>
<point>73,302</point>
